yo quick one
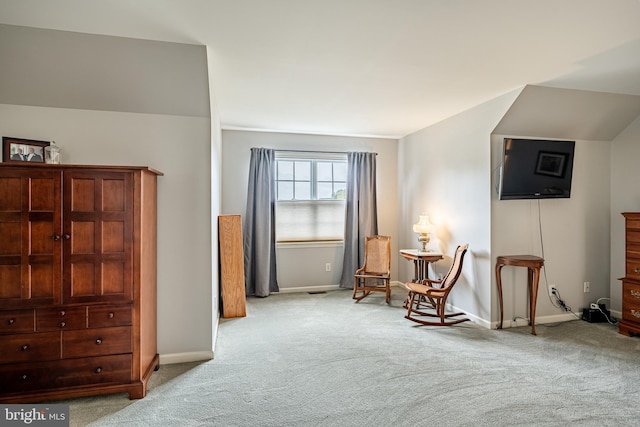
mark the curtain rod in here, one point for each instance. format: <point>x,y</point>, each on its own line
<point>317,151</point>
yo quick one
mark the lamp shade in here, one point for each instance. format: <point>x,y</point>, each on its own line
<point>423,226</point>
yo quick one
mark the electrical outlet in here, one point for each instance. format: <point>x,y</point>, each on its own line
<point>327,267</point>
<point>552,289</point>
<point>587,286</point>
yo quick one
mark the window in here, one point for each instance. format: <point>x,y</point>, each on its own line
<point>310,189</point>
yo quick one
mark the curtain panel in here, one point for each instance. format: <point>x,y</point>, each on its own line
<point>260,225</point>
<point>361,216</point>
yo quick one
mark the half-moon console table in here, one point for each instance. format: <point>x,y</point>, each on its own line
<point>533,265</point>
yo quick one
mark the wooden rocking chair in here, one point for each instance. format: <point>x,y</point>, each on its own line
<point>434,293</point>
<point>375,274</point>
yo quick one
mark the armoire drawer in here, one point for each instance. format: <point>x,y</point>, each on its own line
<point>96,342</point>
<point>633,268</point>
<point>631,312</point>
<point>29,347</point>
<point>107,316</point>
<point>59,318</point>
<point>630,292</point>
<point>14,321</point>
<point>66,373</point>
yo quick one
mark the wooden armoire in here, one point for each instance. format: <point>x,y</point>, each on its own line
<point>77,281</point>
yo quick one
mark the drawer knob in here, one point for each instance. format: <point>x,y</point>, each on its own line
<point>98,370</point>
<point>635,293</point>
<point>23,377</point>
<point>25,347</point>
<point>99,341</point>
<point>66,236</point>
<point>62,324</point>
<point>636,270</point>
<point>111,315</point>
<point>56,237</point>
<point>62,313</point>
<point>11,322</point>
<point>635,314</point>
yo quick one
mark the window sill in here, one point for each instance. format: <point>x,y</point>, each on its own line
<point>310,244</point>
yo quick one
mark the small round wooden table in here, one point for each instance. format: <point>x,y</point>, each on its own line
<point>421,262</point>
<point>533,264</point>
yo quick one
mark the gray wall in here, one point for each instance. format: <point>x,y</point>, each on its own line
<point>301,267</point>
<point>177,139</point>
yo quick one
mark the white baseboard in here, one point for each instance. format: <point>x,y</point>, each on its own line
<point>193,356</point>
<point>540,320</point>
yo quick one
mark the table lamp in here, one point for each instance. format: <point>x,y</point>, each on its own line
<point>423,227</point>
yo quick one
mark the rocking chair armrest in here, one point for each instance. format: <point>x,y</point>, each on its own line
<point>430,282</point>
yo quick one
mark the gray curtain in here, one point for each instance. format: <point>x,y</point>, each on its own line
<point>361,212</point>
<point>260,225</point>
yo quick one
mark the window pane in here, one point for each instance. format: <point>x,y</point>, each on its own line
<point>340,171</point>
<point>285,190</point>
<point>324,171</point>
<point>303,190</point>
<point>308,221</point>
<point>303,171</point>
<point>325,190</point>
<point>285,169</point>
<point>339,191</point>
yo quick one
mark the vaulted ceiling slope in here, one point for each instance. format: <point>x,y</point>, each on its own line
<point>555,113</point>
<point>370,67</point>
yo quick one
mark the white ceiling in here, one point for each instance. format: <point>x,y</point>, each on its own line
<point>370,67</point>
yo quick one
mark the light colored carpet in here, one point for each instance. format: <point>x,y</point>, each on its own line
<point>323,360</point>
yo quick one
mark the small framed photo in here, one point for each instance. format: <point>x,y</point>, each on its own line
<point>23,150</point>
<point>552,164</point>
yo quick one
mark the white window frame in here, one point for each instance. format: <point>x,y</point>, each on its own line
<point>328,231</point>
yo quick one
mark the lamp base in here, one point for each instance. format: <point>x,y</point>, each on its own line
<point>423,239</point>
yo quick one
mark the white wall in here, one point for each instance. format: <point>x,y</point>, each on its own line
<point>216,200</point>
<point>303,268</point>
<point>625,197</point>
<point>177,146</point>
<point>445,171</point>
<point>574,233</point>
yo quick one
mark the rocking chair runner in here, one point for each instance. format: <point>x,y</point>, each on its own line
<point>375,274</point>
<point>434,293</point>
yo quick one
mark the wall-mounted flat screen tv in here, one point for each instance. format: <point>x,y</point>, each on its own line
<point>536,169</point>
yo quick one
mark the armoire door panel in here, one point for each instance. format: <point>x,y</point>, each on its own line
<point>42,240</point>
<point>83,280</point>
<point>43,279</point>
<point>10,194</point>
<point>10,230</point>
<point>30,228</point>
<point>81,194</point>
<point>114,278</point>
<point>43,197</point>
<point>113,237</point>
<point>83,237</point>
<point>98,255</point>
<point>10,281</point>
<point>113,195</point>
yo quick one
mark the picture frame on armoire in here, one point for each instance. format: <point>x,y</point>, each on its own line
<point>19,150</point>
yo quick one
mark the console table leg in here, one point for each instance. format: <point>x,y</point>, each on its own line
<point>499,284</point>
